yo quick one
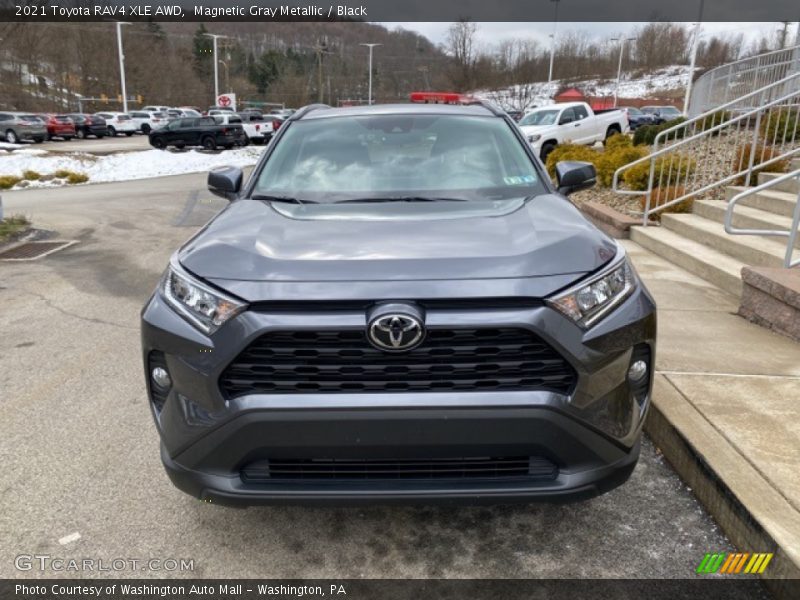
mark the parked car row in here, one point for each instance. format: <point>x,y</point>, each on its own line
<point>16,127</point>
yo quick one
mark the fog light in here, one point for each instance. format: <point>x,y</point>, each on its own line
<point>162,379</point>
<point>637,371</point>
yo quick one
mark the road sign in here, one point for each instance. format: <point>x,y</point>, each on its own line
<point>227,101</point>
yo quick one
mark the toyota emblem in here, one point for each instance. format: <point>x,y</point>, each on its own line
<point>395,332</point>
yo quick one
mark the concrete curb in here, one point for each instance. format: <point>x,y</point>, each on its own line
<point>751,512</point>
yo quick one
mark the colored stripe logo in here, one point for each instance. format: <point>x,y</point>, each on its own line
<point>732,563</point>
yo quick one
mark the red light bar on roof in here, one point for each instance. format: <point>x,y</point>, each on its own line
<point>440,98</point>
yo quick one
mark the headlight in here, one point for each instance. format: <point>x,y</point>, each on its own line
<point>206,308</point>
<point>534,137</point>
<point>590,300</point>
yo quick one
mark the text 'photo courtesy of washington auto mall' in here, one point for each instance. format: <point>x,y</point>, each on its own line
<point>408,300</point>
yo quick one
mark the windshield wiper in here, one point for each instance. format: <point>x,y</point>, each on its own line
<point>290,199</point>
<point>402,199</point>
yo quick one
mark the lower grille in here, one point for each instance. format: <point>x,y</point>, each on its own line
<point>296,362</point>
<point>514,467</point>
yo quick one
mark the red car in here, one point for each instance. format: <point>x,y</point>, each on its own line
<point>59,126</point>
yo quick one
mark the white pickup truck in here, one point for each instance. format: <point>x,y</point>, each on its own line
<point>570,122</point>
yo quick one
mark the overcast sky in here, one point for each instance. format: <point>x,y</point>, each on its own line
<point>491,33</point>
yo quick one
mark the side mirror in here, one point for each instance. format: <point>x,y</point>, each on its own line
<point>225,182</point>
<point>574,175</point>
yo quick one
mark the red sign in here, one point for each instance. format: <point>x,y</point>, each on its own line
<point>439,98</point>
<point>224,101</point>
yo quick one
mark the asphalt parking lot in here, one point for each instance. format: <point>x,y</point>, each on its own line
<point>81,454</point>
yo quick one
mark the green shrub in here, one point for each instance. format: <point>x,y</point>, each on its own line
<point>615,157</point>
<point>31,175</point>
<point>781,126</point>
<point>762,153</point>
<point>647,133</point>
<point>618,141</point>
<point>62,173</point>
<point>8,181</point>
<point>570,152</point>
<point>668,171</point>
<point>74,178</point>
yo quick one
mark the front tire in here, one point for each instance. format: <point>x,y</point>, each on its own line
<point>81,134</point>
<point>11,137</point>
<point>158,143</point>
<point>112,132</point>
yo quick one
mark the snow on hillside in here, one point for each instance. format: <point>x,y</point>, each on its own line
<point>528,95</point>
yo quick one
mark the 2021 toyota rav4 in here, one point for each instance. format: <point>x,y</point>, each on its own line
<point>399,306</point>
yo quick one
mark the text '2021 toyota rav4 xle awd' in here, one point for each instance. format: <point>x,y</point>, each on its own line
<point>399,306</point>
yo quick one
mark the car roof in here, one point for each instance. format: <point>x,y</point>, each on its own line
<point>324,112</point>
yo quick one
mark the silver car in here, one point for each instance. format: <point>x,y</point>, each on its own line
<point>19,126</point>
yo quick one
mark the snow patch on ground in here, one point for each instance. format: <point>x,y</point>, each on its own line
<point>125,165</point>
<point>667,79</point>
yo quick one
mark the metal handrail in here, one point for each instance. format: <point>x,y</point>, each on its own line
<point>791,233</point>
<point>738,125</point>
<point>716,85</point>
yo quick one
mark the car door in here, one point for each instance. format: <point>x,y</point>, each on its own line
<point>172,133</point>
<point>569,126</point>
<point>586,127</point>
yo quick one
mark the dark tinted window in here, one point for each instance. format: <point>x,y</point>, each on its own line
<point>581,112</point>
<point>567,115</point>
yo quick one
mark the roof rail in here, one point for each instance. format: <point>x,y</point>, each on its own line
<point>490,106</point>
<point>302,112</point>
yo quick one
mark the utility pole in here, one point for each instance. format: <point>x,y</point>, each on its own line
<point>553,43</point>
<point>122,66</point>
<point>695,43</point>
<point>215,37</point>
<point>619,65</point>
<point>320,49</point>
<point>784,34</point>
<point>370,46</point>
<point>227,75</point>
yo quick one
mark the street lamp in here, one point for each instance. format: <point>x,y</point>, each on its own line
<point>215,37</point>
<point>619,65</point>
<point>695,42</point>
<point>122,65</point>
<point>553,43</point>
<point>370,46</point>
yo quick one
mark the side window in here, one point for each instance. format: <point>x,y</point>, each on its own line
<point>580,112</point>
<point>4,117</point>
<point>567,116</point>
<point>173,125</point>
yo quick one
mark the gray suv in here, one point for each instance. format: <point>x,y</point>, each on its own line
<point>18,126</point>
<point>399,306</point>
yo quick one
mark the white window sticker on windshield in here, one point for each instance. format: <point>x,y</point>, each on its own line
<point>525,179</point>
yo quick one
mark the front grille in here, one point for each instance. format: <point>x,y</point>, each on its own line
<point>448,360</point>
<point>529,468</point>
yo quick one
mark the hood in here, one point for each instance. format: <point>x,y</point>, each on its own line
<point>253,240</point>
<point>532,129</point>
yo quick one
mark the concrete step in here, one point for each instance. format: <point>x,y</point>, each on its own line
<point>792,185</point>
<point>774,200</point>
<point>707,263</point>
<point>744,216</point>
<point>750,249</point>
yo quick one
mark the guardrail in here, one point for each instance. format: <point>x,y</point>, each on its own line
<point>734,80</point>
<point>719,146</point>
<point>791,233</point>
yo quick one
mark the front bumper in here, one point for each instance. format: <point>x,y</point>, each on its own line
<point>592,434</point>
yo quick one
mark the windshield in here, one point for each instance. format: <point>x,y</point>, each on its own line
<point>540,117</point>
<point>634,111</point>
<point>402,157</point>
